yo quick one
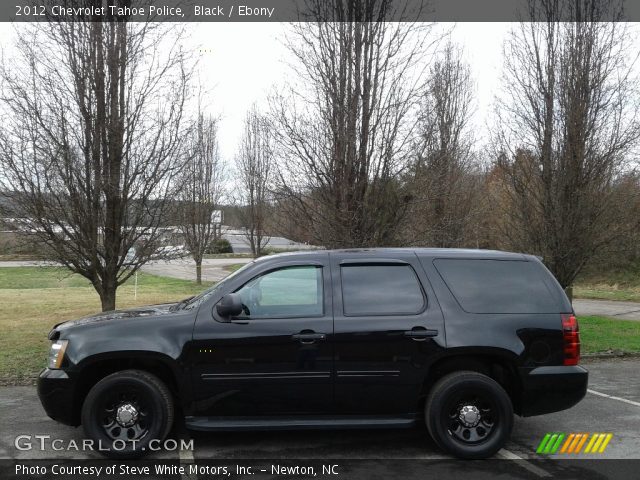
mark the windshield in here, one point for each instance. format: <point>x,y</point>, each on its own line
<point>196,301</point>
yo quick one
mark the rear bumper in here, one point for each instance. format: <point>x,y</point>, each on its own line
<point>56,391</point>
<point>551,389</point>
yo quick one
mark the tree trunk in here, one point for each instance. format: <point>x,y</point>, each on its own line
<point>108,298</point>
<point>252,244</point>
<point>569,291</point>
<point>199,272</point>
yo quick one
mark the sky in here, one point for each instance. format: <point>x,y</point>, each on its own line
<point>243,62</point>
<point>240,63</point>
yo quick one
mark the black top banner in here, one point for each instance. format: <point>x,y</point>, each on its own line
<point>318,10</point>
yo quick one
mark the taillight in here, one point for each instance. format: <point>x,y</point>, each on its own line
<point>571,337</point>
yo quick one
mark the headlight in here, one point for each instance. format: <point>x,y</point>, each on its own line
<point>56,354</point>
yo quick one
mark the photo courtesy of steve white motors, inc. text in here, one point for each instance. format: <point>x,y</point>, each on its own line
<point>162,469</point>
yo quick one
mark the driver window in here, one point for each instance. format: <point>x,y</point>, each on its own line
<point>286,292</point>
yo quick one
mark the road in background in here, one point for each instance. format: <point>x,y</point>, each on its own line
<point>607,308</point>
<point>213,269</point>
<point>240,243</point>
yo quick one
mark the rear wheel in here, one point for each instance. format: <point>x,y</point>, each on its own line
<point>469,415</point>
<point>124,411</point>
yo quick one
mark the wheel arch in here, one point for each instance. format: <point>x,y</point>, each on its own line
<point>95,368</point>
<point>500,365</point>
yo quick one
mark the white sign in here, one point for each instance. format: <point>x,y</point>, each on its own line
<point>216,217</point>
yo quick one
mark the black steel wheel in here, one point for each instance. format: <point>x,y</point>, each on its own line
<point>125,411</point>
<point>469,415</point>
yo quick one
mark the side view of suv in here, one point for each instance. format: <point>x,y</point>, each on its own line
<point>459,339</point>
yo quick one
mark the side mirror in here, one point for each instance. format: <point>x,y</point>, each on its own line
<point>229,306</point>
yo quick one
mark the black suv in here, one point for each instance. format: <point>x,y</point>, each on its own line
<point>459,339</point>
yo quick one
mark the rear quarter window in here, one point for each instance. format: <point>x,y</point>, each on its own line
<point>497,286</point>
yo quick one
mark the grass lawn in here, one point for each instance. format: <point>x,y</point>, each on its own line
<point>607,292</point>
<point>33,299</point>
<point>599,334</point>
<point>234,267</point>
<point>610,284</point>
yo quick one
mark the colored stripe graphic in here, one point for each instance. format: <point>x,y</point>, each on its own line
<point>550,443</point>
<point>591,442</point>
<point>543,443</point>
<point>607,439</point>
<point>576,439</point>
<point>581,443</point>
<point>555,447</point>
<point>568,442</point>
<point>573,443</point>
<point>596,445</point>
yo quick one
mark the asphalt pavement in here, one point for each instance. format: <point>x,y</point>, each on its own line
<point>607,308</point>
<point>612,405</point>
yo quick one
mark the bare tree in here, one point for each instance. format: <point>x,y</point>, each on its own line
<point>201,189</point>
<point>90,143</point>
<point>344,129</point>
<point>445,179</point>
<point>255,170</point>
<point>567,123</point>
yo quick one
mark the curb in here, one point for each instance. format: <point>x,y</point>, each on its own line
<point>610,354</point>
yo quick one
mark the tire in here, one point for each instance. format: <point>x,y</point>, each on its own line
<point>469,415</point>
<point>126,406</point>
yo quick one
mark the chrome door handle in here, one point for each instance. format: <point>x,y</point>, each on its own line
<point>420,334</point>
<point>308,338</point>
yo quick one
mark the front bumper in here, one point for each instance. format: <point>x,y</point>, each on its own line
<point>57,395</point>
<point>551,389</point>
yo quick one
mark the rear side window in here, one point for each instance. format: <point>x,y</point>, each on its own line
<point>497,286</point>
<point>381,290</point>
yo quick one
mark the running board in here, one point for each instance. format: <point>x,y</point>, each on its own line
<point>316,422</point>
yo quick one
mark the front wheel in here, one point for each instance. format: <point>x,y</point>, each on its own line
<point>125,411</point>
<point>469,415</point>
